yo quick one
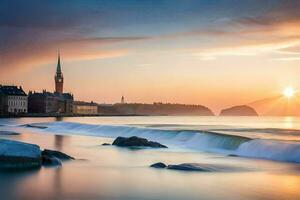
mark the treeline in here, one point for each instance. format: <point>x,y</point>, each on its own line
<point>154,109</point>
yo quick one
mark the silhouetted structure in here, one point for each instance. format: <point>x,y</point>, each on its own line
<point>122,100</point>
<point>47,102</point>
<point>13,100</point>
<point>242,110</point>
<point>59,79</point>
<point>154,109</point>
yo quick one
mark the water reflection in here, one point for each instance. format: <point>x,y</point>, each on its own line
<point>57,182</point>
<point>59,142</point>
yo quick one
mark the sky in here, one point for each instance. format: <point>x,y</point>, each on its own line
<point>216,53</point>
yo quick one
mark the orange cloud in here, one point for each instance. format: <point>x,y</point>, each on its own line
<point>25,57</point>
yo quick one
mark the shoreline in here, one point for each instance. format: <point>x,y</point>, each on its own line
<point>66,115</point>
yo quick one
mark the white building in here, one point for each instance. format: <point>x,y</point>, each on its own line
<point>13,100</point>
<point>85,108</point>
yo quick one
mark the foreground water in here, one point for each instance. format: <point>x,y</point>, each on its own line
<point>267,166</point>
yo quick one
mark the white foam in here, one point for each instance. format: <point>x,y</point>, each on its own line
<point>197,140</point>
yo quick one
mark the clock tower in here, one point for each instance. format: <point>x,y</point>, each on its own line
<point>59,79</point>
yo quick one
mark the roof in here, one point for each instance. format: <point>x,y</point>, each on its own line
<point>42,94</point>
<point>83,103</point>
<point>68,96</point>
<point>12,90</point>
<point>58,68</point>
<point>64,96</point>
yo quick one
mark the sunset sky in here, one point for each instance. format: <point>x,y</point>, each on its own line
<point>215,53</point>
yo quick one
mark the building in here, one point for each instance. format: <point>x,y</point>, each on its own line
<point>13,100</point>
<point>59,79</point>
<point>85,108</point>
<point>47,102</point>
<point>44,102</point>
<point>122,100</point>
<point>57,102</point>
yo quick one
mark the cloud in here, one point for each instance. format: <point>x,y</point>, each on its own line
<point>30,33</point>
<point>288,59</point>
<point>276,31</point>
<point>23,56</point>
<point>246,48</point>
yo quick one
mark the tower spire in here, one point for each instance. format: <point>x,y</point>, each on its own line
<point>59,79</point>
<point>58,68</point>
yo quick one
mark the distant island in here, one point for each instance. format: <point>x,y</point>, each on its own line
<point>242,110</point>
<point>154,109</point>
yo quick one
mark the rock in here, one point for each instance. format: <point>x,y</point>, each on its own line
<point>19,155</point>
<point>56,154</point>
<point>243,110</point>
<point>158,165</point>
<point>106,144</point>
<point>35,126</point>
<point>189,167</point>
<point>51,161</point>
<point>136,142</point>
<point>8,133</point>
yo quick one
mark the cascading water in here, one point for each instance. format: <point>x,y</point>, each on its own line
<point>191,139</point>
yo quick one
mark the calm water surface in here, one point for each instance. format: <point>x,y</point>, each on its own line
<point>107,172</point>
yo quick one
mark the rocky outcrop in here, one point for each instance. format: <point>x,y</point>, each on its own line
<point>21,155</point>
<point>239,111</point>
<point>56,154</point>
<point>197,167</point>
<point>189,167</point>
<point>136,142</point>
<point>106,144</point>
<point>54,158</point>
<point>35,126</point>
<point>50,161</point>
<point>8,133</point>
<point>158,165</point>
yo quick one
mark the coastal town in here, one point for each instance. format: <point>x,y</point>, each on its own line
<point>14,102</point>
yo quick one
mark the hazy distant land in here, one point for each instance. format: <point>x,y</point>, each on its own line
<point>155,109</point>
<point>242,110</point>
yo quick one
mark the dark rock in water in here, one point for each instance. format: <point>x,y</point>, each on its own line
<point>106,144</point>
<point>239,111</point>
<point>189,167</point>
<point>136,142</point>
<point>8,133</point>
<point>232,155</point>
<point>35,126</point>
<point>158,165</point>
<point>50,161</point>
<point>19,155</point>
<point>56,154</point>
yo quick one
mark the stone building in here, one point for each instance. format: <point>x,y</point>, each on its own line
<point>57,102</point>
<point>44,102</point>
<point>85,108</point>
<point>13,100</point>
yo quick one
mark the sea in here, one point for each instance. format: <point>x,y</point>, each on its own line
<point>251,157</point>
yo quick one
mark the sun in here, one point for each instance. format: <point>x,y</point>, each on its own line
<point>288,92</point>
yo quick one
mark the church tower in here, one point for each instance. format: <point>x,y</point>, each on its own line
<point>59,79</point>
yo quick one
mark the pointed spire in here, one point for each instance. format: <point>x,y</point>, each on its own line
<point>58,68</point>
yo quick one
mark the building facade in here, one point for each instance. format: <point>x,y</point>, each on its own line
<point>13,100</point>
<point>44,102</point>
<point>85,108</point>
